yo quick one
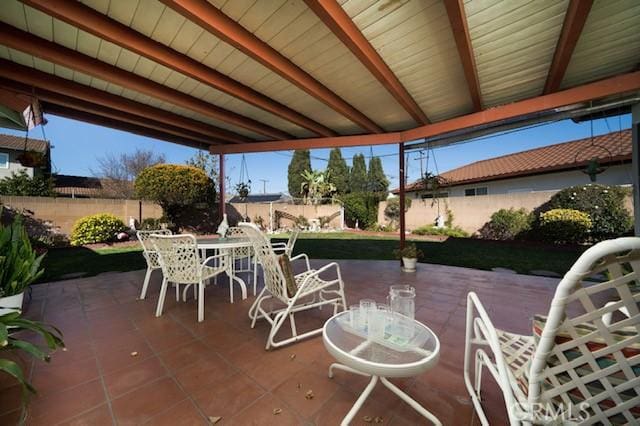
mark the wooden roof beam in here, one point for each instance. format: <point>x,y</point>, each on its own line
<point>91,21</point>
<point>42,80</point>
<point>44,49</point>
<point>617,85</point>
<point>460,28</point>
<point>574,21</point>
<point>101,110</point>
<point>213,20</point>
<point>99,120</point>
<point>334,17</point>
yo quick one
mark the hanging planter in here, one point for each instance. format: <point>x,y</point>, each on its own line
<point>31,159</point>
<point>243,189</point>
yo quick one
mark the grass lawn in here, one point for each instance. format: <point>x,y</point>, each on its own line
<point>466,252</point>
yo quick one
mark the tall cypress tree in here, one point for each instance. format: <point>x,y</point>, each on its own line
<point>338,171</point>
<point>358,175</point>
<point>300,162</point>
<point>377,180</point>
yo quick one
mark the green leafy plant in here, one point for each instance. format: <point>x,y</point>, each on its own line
<point>97,228</point>
<point>302,222</point>
<point>455,232</point>
<point>243,189</point>
<point>507,224</point>
<point>22,184</point>
<point>324,221</point>
<point>361,207</point>
<point>410,251</point>
<point>604,204</point>
<point>175,187</point>
<point>152,223</point>
<point>565,226</point>
<point>19,264</point>
<point>392,209</point>
<point>11,327</point>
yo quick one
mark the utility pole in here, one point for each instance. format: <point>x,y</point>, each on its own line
<point>264,185</point>
<point>420,158</point>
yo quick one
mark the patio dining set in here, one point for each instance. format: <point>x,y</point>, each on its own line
<point>580,364</point>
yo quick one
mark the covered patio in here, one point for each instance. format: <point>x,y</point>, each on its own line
<point>124,366</point>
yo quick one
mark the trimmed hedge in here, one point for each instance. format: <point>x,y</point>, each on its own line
<point>507,224</point>
<point>565,226</point>
<point>97,228</point>
<point>433,230</point>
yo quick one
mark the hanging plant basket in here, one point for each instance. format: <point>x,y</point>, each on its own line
<point>31,159</point>
<point>243,189</point>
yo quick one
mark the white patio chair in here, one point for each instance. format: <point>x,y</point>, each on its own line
<point>181,264</point>
<point>242,257</point>
<point>286,248</point>
<point>150,255</point>
<point>580,366</point>
<point>312,290</point>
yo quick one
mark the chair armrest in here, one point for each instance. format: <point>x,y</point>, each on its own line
<point>317,272</point>
<point>278,245</point>
<point>222,264</point>
<point>302,256</point>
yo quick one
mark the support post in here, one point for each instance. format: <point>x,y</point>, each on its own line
<point>221,206</point>
<point>635,144</point>
<point>402,194</point>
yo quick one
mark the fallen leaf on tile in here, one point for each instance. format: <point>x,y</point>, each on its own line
<point>309,394</point>
<point>378,419</point>
<point>367,419</point>
<point>134,353</point>
<point>292,357</point>
<point>214,419</point>
<point>277,411</point>
<point>299,386</point>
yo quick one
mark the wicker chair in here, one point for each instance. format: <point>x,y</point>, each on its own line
<point>150,255</point>
<point>312,291</point>
<point>287,248</point>
<point>582,364</point>
<point>181,264</point>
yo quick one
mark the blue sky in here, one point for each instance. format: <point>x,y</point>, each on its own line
<point>77,145</point>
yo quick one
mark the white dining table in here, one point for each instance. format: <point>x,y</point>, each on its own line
<point>226,246</point>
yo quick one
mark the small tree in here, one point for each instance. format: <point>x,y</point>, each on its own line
<point>377,180</point>
<point>300,163</point>
<point>22,184</point>
<point>118,171</point>
<point>358,175</point>
<point>338,171</point>
<point>174,187</point>
<point>392,210</point>
<point>206,162</point>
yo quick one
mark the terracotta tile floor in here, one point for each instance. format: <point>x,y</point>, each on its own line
<point>185,372</point>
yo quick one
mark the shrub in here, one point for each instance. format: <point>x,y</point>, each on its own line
<point>409,251</point>
<point>302,222</point>
<point>507,224</point>
<point>152,223</point>
<point>455,232</point>
<point>604,205</point>
<point>19,264</point>
<point>392,210</point>
<point>565,226</point>
<point>175,187</point>
<point>361,207</point>
<point>22,184</point>
<point>97,228</point>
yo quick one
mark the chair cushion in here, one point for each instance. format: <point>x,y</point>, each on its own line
<point>289,278</point>
<point>597,342</point>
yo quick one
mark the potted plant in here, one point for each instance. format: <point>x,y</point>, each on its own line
<point>31,159</point>
<point>243,189</point>
<point>19,265</point>
<point>11,328</point>
<point>409,255</point>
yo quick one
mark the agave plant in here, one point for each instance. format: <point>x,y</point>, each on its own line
<point>19,265</point>
<point>316,186</point>
<point>11,326</point>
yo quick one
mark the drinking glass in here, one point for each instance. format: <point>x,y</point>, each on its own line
<point>356,320</point>
<point>366,306</point>
<point>376,323</point>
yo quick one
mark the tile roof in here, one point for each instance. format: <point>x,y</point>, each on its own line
<point>261,198</point>
<point>17,143</point>
<point>608,148</point>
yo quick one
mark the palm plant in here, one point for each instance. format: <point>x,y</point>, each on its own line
<point>316,186</point>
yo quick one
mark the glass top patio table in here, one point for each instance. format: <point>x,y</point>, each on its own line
<point>371,357</point>
<point>223,243</point>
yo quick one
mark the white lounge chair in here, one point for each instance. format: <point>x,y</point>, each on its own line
<point>582,363</point>
<point>150,255</point>
<point>181,264</point>
<point>287,248</point>
<point>312,291</point>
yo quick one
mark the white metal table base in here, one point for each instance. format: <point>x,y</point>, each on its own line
<point>367,391</point>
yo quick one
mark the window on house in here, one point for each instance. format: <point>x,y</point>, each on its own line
<point>429,195</point>
<point>471,192</point>
<point>4,160</point>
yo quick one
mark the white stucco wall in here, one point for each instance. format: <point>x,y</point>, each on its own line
<point>14,165</point>
<point>614,175</point>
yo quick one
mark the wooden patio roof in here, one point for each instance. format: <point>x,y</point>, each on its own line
<point>245,76</point>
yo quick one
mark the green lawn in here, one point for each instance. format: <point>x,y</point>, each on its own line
<point>471,253</point>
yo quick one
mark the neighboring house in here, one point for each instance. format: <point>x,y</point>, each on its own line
<point>89,187</point>
<point>278,197</point>
<point>549,168</point>
<point>12,146</point>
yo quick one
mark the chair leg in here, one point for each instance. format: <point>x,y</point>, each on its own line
<point>255,274</point>
<point>145,285</point>
<point>201,301</point>
<point>177,291</point>
<point>163,293</point>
